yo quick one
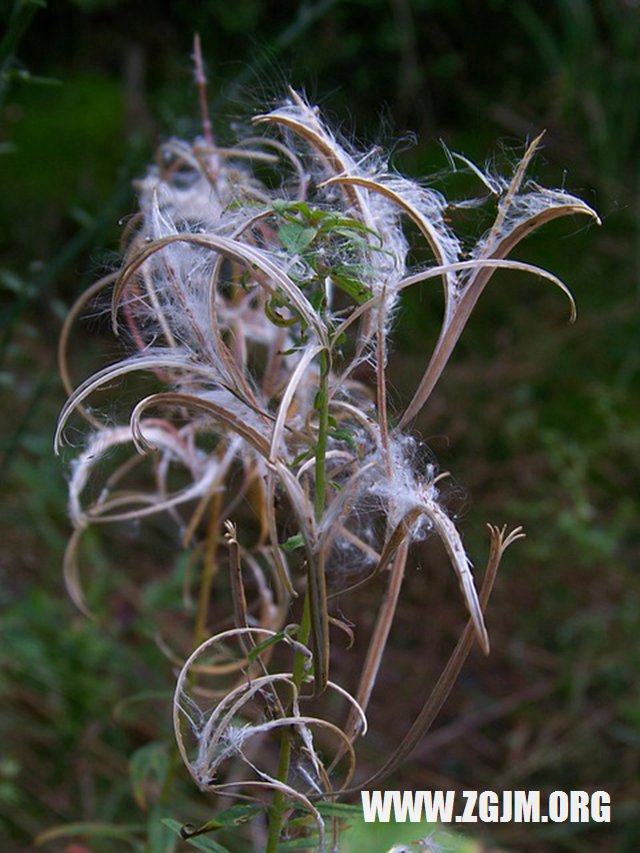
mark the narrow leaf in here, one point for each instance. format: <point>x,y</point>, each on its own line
<point>208,845</point>
<point>147,764</point>
<point>293,543</point>
<point>124,832</point>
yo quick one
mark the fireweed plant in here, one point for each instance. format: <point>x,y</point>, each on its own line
<point>259,284</point>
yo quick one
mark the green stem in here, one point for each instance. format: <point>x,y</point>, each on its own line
<point>279,806</point>
<point>322,404</point>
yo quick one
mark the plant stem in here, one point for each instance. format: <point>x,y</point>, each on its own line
<point>278,808</point>
<point>322,404</point>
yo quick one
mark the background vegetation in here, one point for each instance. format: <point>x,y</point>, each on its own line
<point>536,420</point>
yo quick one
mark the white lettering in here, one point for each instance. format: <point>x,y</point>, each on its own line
<point>410,804</point>
<point>558,806</point>
<point>516,806</point>
<point>374,807</point>
<point>488,807</point>
<point>468,815</point>
<point>507,807</point>
<point>438,806</point>
<point>526,806</point>
<point>579,807</point>
<point>601,807</point>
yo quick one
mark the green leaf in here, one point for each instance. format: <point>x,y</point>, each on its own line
<point>208,845</point>
<point>318,299</point>
<point>295,237</point>
<point>188,831</point>
<point>237,814</point>
<point>233,816</point>
<point>277,319</point>
<point>344,434</point>
<point>257,650</point>
<point>311,842</point>
<point>293,543</point>
<point>160,839</point>
<point>123,832</point>
<point>340,810</point>
<point>349,228</point>
<point>301,457</point>
<point>150,763</point>
<point>284,208</point>
<point>360,837</point>
<point>351,286</point>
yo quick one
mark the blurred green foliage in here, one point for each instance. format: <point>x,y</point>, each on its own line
<point>536,420</point>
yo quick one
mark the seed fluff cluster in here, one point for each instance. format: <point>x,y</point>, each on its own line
<point>257,294</point>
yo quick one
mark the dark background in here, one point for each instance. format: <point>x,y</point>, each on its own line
<point>537,420</point>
